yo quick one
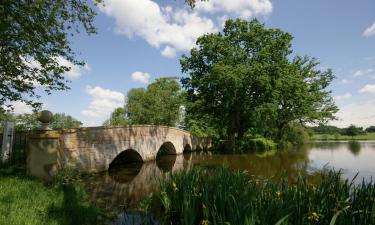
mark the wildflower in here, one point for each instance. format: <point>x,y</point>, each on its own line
<point>314,217</point>
<point>205,222</point>
<point>174,186</point>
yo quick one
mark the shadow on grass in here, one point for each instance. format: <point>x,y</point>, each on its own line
<point>74,209</point>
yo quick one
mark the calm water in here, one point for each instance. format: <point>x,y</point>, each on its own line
<point>126,186</point>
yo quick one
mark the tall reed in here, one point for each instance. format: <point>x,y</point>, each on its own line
<point>222,196</point>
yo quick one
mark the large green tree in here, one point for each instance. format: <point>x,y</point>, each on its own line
<point>159,104</point>
<point>34,38</point>
<point>245,80</point>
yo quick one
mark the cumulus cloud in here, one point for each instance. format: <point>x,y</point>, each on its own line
<point>141,77</point>
<point>368,89</point>
<point>239,8</point>
<point>358,113</point>
<point>370,31</point>
<point>171,29</point>
<point>359,73</point>
<point>162,27</point>
<point>103,102</point>
<point>342,97</point>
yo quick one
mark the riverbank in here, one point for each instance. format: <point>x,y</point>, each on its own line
<point>335,137</point>
<point>25,200</point>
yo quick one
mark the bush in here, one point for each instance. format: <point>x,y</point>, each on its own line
<point>256,144</point>
<point>295,134</point>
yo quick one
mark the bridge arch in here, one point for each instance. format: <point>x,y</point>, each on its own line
<point>167,148</point>
<point>125,157</point>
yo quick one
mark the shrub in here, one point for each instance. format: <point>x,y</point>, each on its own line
<point>295,134</point>
<point>256,144</point>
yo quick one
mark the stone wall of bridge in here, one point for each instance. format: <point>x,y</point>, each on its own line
<point>94,149</point>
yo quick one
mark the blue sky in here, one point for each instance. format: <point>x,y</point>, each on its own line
<point>140,40</point>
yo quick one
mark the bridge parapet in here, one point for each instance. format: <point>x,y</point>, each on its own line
<point>93,149</point>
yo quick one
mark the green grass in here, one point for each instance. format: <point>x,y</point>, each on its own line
<point>24,200</point>
<point>222,196</point>
<point>367,136</point>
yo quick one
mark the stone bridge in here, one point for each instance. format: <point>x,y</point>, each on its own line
<point>98,148</point>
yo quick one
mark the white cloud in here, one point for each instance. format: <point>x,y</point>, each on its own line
<point>358,113</point>
<point>370,31</point>
<point>171,29</point>
<point>141,77</point>
<point>359,73</point>
<point>368,89</point>
<point>103,102</point>
<point>162,27</point>
<point>345,81</point>
<point>239,8</point>
<point>75,70</point>
<point>342,97</point>
<point>168,52</point>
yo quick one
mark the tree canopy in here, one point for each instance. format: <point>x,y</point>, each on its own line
<point>34,41</point>
<point>159,104</point>
<point>245,80</point>
<point>117,118</point>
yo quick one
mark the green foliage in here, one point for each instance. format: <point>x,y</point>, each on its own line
<point>295,134</point>
<point>34,40</point>
<point>352,130</point>
<point>370,129</point>
<point>63,121</point>
<point>324,129</point>
<point>222,196</point>
<point>367,136</point>
<point>118,118</point>
<point>256,144</point>
<point>159,104</point>
<point>243,80</point>
<point>28,121</point>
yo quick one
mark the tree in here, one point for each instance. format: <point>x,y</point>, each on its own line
<point>117,118</point>
<point>370,129</point>
<point>63,121</point>
<point>34,42</point>
<point>244,80</point>
<point>352,130</point>
<point>159,104</point>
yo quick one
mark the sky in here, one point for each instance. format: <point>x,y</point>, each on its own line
<point>141,40</point>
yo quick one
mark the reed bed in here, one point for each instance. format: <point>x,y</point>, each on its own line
<point>221,196</point>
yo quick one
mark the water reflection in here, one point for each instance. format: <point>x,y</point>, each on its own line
<point>131,182</point>
<point>355,147</point>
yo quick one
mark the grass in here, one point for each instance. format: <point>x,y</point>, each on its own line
<point>24,200</point>
<point>222,196</point>
<point>367,136</point>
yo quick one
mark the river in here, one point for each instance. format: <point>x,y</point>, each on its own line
<point>125,186</point>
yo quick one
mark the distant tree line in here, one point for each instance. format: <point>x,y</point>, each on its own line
<point>351,130</point>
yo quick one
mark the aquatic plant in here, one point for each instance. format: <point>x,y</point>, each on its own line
<point>222,196</point>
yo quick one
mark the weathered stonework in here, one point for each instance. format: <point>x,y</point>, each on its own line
<point>93,149</point>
